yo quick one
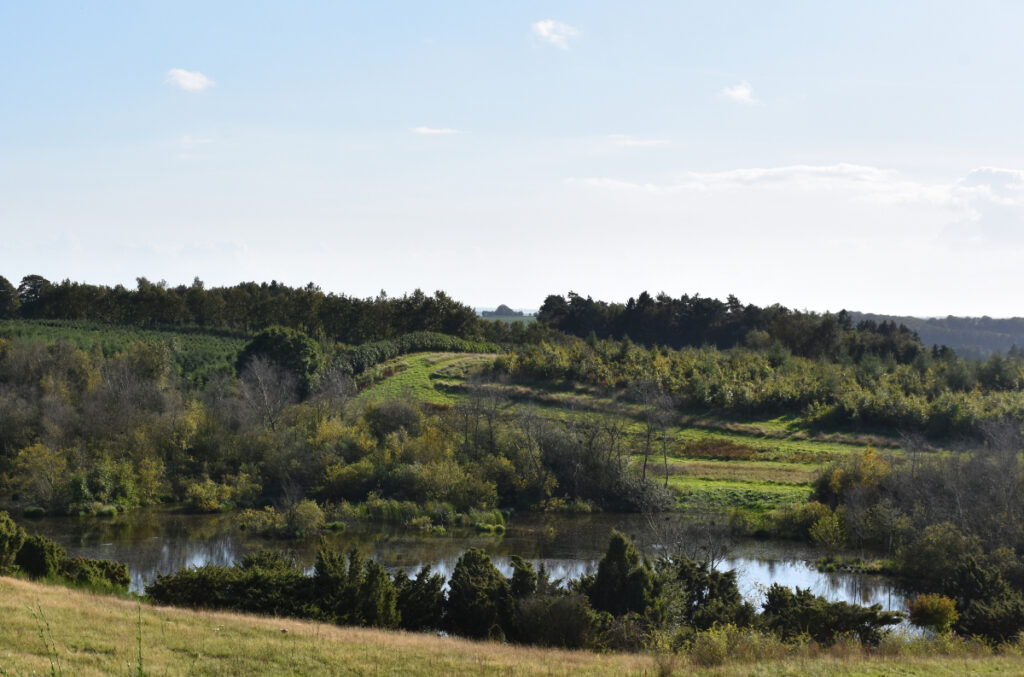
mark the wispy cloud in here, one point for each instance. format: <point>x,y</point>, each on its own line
<point>189,140</point>
<point>190,81</point>
<point>741,93</point>
<point>434,130</point>
<point>635,142</point>
<point>984,207</point>
<point>555,32</point>
<point>790,177</point>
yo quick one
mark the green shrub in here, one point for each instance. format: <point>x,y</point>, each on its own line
<point>266,522</point>
<point>205,586</point>
<point>480,602</point>
<point>378,599</point>
<point>206,496</point>
<point>930,559</point>
<point>988,606</point>
<point>565,621</point>
<point>629,632</point>
<point>710,647</point>
<point>524,579</point>
<point>34,511</point>
<point>792,614</point>
<point>390,416</point>
<point>96,573</point>
<point>12,538</point>
<point>107,511</point>
<point>420,600</point>
<point>932,611</point>
<point>351,482</point>
<point>305,518</point>
<point>695,595</point>
<point>828,532</point>
<point>40,557</point>
<point>796,521</point>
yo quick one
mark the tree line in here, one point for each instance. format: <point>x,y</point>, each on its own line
<point>648,320</point>
<point>244,308</point>
<point>697,321</point>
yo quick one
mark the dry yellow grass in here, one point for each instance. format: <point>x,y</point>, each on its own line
<point>97,635</point>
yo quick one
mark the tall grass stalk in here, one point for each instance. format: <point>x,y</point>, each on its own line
<point>46,636</point>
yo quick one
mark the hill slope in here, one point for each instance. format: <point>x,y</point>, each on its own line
<point>972,337</point>
<point>98,635</point>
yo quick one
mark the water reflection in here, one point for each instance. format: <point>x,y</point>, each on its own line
<point>568,546</point>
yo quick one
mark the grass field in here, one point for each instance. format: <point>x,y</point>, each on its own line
<point>53,630</point>
<point>414,376</point>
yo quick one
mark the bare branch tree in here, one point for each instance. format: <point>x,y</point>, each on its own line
<point>267,389</point>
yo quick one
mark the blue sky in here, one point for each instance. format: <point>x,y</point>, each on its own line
<point>825,156</point>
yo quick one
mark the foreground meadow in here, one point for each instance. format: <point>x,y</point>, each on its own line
<point>55,630</point>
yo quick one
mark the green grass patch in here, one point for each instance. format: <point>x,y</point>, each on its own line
<point>415,376</point>
<point>729,494</point>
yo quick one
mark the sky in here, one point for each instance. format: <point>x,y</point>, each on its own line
<point>863,155</point>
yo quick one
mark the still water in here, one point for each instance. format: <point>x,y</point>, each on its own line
<point>568,546</point>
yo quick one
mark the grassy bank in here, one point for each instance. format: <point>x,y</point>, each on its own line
<point>99,635</point>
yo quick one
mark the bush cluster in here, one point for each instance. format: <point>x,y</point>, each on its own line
<point>629,603</point>
<point>39,557</point>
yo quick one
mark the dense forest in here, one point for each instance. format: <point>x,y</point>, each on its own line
<point>241,309</point>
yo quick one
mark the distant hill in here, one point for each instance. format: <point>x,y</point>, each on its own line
<point>973,337</point>
<point>501,311</point>
<point>505,314</point>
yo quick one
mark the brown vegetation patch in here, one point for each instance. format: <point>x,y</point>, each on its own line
<point>719,449</point>
<point>743,472</point>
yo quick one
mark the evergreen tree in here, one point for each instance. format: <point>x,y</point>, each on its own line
<point>480,602</point>
<point>625,581</point>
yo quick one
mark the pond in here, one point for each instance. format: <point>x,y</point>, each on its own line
<point>153,542</point>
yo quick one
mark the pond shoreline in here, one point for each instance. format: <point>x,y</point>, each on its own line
<point>161,541</point>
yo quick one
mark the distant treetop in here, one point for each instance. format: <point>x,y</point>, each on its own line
<point>502,311</point>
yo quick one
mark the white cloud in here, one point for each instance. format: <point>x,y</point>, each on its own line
<point>437,131</point>
<point>189,141</point>
<point>190,81</point>
<point>741,93</point>
<point>806,177</point>
<point>993,202</point>
<point>555,32</point>
<point>985,207</point>
<point>634,142</point>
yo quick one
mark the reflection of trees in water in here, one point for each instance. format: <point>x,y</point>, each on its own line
<point>752,574</point>
<point>568,546</point>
